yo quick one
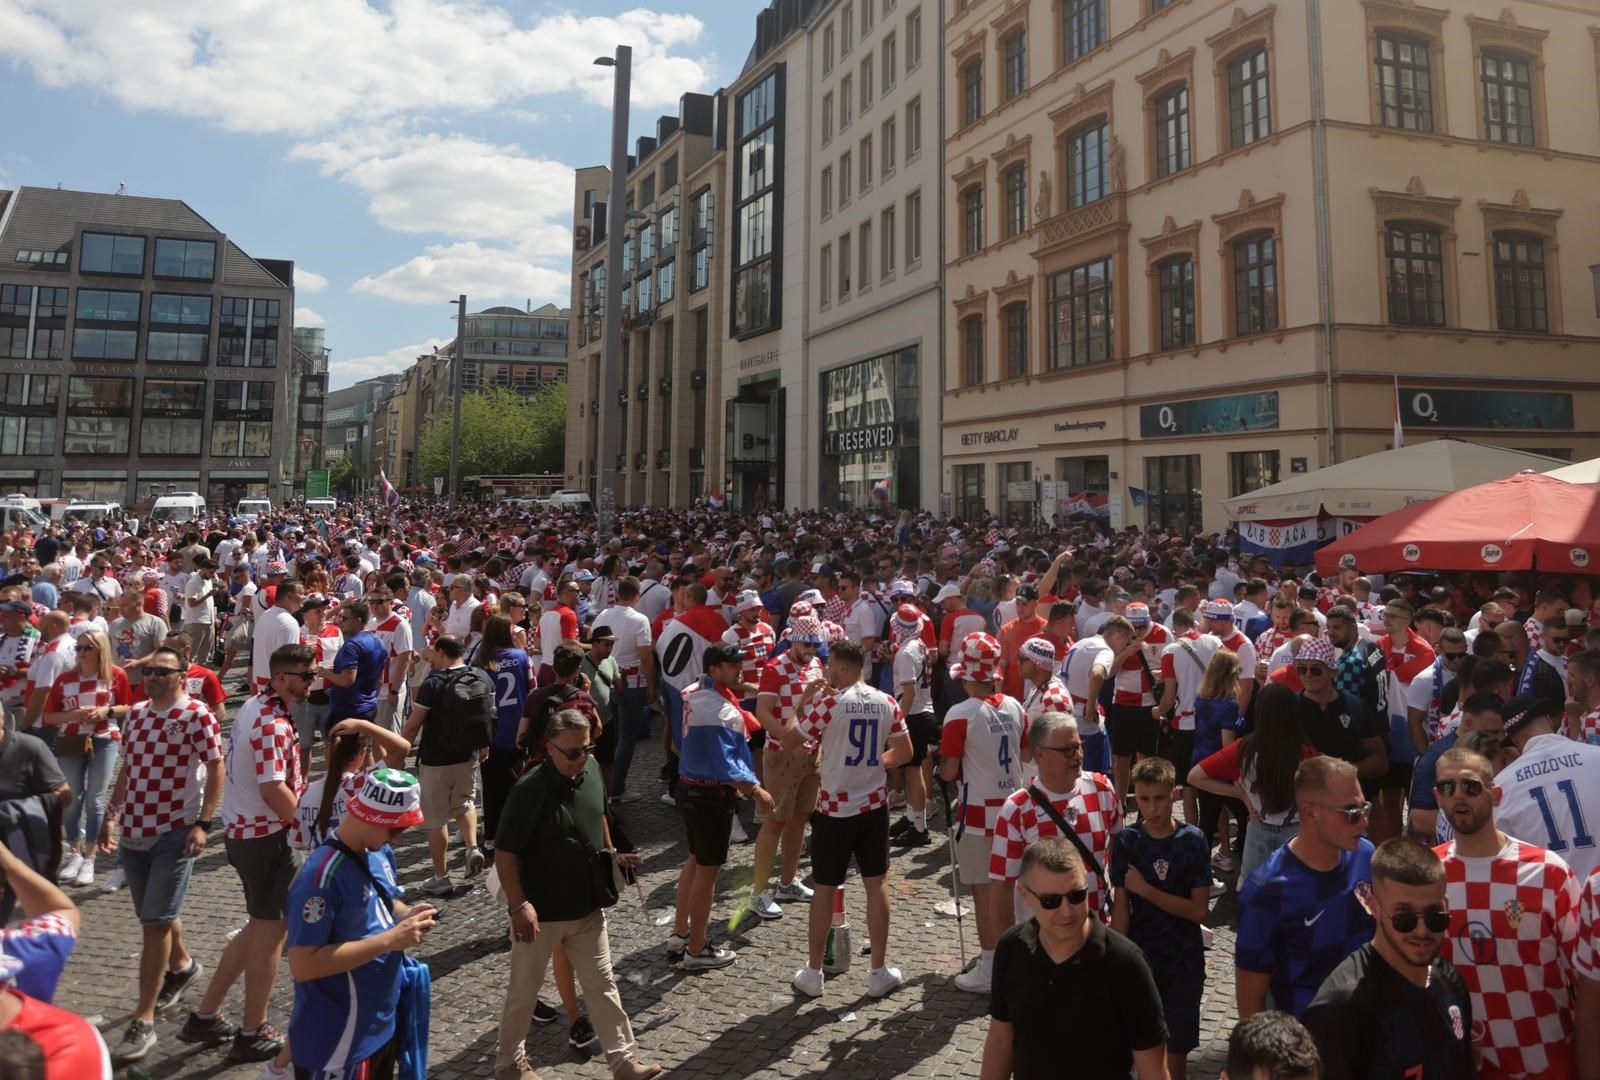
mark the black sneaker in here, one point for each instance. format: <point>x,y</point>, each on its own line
<point>263,1045</point>
<point>900,826</point>
<point>218,1029</point>
<point>173,984</point>
<point>543,1014</point>
<point>582,1035</point>
<point>913,838</point>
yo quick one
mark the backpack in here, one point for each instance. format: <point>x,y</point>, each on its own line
<point>461,721</point>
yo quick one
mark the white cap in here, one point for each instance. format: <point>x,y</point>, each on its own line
<point>948,592</point>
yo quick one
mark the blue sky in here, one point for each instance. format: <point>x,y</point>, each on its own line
<point>399,152</point>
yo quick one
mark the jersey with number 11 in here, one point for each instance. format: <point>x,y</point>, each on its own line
<point>1550,796</point>
<point>854,727</point>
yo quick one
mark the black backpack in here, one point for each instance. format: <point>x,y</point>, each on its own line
<point>461,720</point>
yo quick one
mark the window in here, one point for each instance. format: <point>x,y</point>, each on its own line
<point>1080,311</point>
<point>49,344</point>
<point>1405,88</point>
<point>99,412</point>
<point>969,505</point>
<point>14,342</point>
<point>972,350</point>
<point>913,40</point>
<point>888,143</point>
<point>90,343</point>
<point>827,118</point>
<point>757,207</point>
<point>866,82</point>
<point>172,417</point>
<point>866,17</point>
<point>846,97</point>
<point>99,305</point>
<point>1088,178</point>
<point>845,266</point>
<point>847,30</point>
<point>972,92</point>
<point>42,260</point>
<point>886,243</point>
<point>16,300</point>
<point>1172,131</point>
<point>1251,470</point>
<point>866,162</point>
<point>889,62</point>
<point>825,276</point>
<point>104,253</point>
<point>702,229</point>
<point>827,191</point>
<point>846,184</point>
<point>1249,104</point>
<point>1507,99</point>
<point>28,412</point>
<point>1014,472</point>
<point>1172,490</point>
<point>913,128</point>
<point>1175,279</point>
<point>972,219</point>
<point>1084,29</point>
<point>1157,5</point>
<point>263,333</point>
<point>1016,330</point>
<point>1255,285</point>
<point>913,229</point>
<point>52,303</point>
<point>164,347</point>
<point>194,259</point>
<point>1015,182</point>
<point>864,257</point>
<point>666,283</point>
<point>1519,284</point>
<point>241,418</point>
<point>1016,61</point>
<point>1415,259</point>
<point>827,49</point>
<point>169,309</point>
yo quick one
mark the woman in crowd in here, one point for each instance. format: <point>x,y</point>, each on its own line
<point>1216,724</point>
<point>355,748</point>
<point>84,708</point>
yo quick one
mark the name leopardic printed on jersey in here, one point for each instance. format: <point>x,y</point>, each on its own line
<point>1540,768</point>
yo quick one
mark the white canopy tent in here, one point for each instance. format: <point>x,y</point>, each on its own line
<point>1581,472</point>
<point>1366,487</point>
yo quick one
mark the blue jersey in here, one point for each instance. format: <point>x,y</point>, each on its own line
<point>510,673</point>
<point>43,944</point>
<point>342,1020</point>
<point>1176,864</point>
<point>1299,924</point>
<point>366,654</point>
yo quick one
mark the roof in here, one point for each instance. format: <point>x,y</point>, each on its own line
<point>44,219</point>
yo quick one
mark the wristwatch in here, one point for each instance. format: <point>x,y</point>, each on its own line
<point>205,826</point>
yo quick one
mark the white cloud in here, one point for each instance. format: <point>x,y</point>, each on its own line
<point>342,373</point>
<point>308,281</point>
<point>304,316</point>
<point>486,274</point>
<point>302,66</point>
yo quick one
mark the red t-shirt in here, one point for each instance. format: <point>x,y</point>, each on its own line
<point>73,1049</point>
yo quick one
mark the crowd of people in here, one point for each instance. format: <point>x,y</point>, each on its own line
<point>1400,778</point>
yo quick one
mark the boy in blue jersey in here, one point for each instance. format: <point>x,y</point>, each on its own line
<point>1301,912</point>
<point>1162,873</point>
<point>347,935</point>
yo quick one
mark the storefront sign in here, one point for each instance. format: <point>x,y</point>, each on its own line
<point>1437,406</point>
<point>1080,425</point>
<point>856,440</point>
<point>759,360</point>
<point>1210,416</point>
<point>987,438</point>
<point>1023,491</point>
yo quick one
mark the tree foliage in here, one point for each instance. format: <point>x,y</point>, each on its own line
<point>500,433</point>
<point>343,473</point>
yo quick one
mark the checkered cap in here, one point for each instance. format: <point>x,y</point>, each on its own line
<point>1041,651</point>
<point>1219,609</point>
<point>902,588</point>
<point>979,659</point>
<point>1319,650</point>
<point>808,629</point>
<point>800,609</point>
<point>150,575</point>
<point>276,566</point>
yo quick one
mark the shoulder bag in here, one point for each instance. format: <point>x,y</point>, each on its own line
<point>1088,857</point>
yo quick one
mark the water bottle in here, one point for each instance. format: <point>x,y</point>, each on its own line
<point>836,953</point>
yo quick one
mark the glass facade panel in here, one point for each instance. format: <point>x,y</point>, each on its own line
<point>871,427</point>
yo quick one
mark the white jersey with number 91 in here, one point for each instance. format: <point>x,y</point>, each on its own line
<point>854,726</point>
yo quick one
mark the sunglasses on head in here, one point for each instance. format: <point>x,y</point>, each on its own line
<point>1353,815</point>
<point>574,755</point>
<point>1052,901</point>
<point>1435,920</point>
<point>1470,788</point>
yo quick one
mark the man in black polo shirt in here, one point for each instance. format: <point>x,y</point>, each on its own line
<point>1335,722</point>
<point>1069,995</point>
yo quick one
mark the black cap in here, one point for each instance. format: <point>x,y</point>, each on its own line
<point>602,633</point>
<point>722,653</point>
<point>1521,711</point>
<point>1027,592</point>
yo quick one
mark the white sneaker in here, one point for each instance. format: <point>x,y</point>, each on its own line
<point>271,1071</point>
<point>738,835</point>
<point>808,980</point>
<point>765,907</point>
<point>792,892</point>
<point>116,881</point>
<point>85,872</point>
<point>666,797</point>
<point>1207,938</point>
<point>1221,860</point>
<point>975,981</point>
<point>68,875</point>
<point>884,980</point>
<point>1218,887</point>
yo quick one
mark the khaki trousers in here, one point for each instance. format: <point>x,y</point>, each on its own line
<point>585,943</point>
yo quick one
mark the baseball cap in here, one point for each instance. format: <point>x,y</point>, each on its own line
<point>1027,592</point>
<point>20,607</point>
<point>314,600</point>
<point>949,592</point>
<point>1347,562</point>
<point>722,653</point>
<point>389,798</point>
<point>1041,651</point>
<point>1319,650</point>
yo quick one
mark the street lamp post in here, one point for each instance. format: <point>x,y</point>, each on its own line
<point>609,430</point>
<point>459,359</point>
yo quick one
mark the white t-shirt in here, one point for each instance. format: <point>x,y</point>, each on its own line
<point>1188,671</point>
<point>1076,671</point>
<point>913,665</point>
<point>632,632</point>
<point>1549,797</point>
<point>273,629</point>
<point>654,598</point>
<point>863,619</point>
<point>203,613</point>
<point>107,588</point>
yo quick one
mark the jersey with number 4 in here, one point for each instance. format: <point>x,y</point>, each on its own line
<point>987,736</point>
<point>854,727</point>
<point>1550,796</point>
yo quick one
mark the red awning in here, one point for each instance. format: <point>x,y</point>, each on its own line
<point>1523,522</point>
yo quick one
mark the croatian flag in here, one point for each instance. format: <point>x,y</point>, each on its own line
<point>391,497</point>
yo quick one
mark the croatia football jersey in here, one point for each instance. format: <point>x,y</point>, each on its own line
<point>854,727</point>
<point>1550,796</point>
<point>1586,954</point>
<point>987,736</point>
<point>262,747</point>
<point>1513,933</point>
<point>786,679</point>
<point>755,646</point>
<point>913,666</point>
<point>1091,808</point>
<point>164,752</point>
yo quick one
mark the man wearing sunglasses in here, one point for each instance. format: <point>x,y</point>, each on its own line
<point>1067,988</point>
<point>1546,673</point>
<point>1395,1006</point>
<point>1513,923</point>
<point>1480,712</point>
<point>1335,722</point>
<point>1422,697</point>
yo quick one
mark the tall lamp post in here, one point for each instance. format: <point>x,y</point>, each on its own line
<point>456,361</point>
<point>609,430</point>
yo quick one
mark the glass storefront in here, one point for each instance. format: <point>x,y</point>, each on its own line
<point>871,432</point>
<point>1172,486</point>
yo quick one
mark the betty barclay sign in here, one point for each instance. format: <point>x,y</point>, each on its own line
<point>1210,416</point>
<point>859,440</point>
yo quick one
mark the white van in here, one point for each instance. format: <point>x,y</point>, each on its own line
<point>251,509</point>
<point>570,500</point>
<point>178,508</point>
<point>78,510</point>
<point>28,502</point>
<point>21,517</point>
<point>322,506</point>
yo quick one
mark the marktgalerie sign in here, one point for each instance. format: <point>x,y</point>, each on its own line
<point>1438,406</point>
<point>1210,416</point>
<point>857,440</point>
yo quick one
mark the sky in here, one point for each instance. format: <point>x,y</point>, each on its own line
<point>401,152</point>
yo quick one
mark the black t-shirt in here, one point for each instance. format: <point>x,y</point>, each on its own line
<point>1372,1023</point>
<point>1083,1017</point>
<point>27,767</point>
<point>1338,728</point>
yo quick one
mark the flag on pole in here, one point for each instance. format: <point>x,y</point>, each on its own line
<point>1139,496</point>
<point>391,497</point>
<point>1399,429</point>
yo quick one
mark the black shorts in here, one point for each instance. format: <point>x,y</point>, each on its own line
<point>1180,748</point>
<point>605,747</point>
<point>925,733</point>
<point>1133,730</point>
<point>834,840</point>
<point>757,741</point>
<point>266,868</point>
<point>1180,1002</point>
<point>708,819</point>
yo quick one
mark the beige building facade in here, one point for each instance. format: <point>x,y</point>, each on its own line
<point>1180,264</point>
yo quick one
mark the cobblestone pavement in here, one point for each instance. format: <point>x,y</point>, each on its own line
<point>743,1020</point>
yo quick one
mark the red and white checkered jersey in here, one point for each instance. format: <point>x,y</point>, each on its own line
<point>164,753</point>
<point>755,645</point>
<point>1184,662</point>
<point>1048,696</point>
<point>1270,641</point>
<point>833,609</point>
<point>1589,727</point>
<point>16,652</point>
<point>1535,630</point>
<point>913,666</point>
<point>1136,680</point>
<point>51,660</point>
<point>1246,653</point>
<point>1586,955</point>
<point>324,647</point>
<point>786,679</point>
<point>987,736</point>
<point>395,633</point>
<point>262,748</point>
<point>1513,931</point>
<point>73,691</point>
<point>1091,808</point>
<point>854,727</point>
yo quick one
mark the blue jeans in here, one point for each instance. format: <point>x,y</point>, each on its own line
<point>89,780</point>
<point>633,724</point>
<point>159,877</point>
<point>1260,841</point>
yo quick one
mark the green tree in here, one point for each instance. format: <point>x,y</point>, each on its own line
<point>500,433</point>
<point>342,474</point>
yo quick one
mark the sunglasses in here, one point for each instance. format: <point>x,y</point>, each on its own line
<point>1556,639</point>
<point>574,755</point>
<point>87,649</point>
<point>1052,901</point>
<point>1470,788</point>
<point>157,672</point>
<point>1353,815</point>
<point>1311,669</point>
<point>307,675</point>
<point>1455,655</point>
<point>1435,920</point>
<point>1067,750</point>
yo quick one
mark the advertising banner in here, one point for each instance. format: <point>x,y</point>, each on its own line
<point>1210,416</point>
<point>1445,407</point>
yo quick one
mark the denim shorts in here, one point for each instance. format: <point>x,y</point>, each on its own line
<point>158,877</point>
